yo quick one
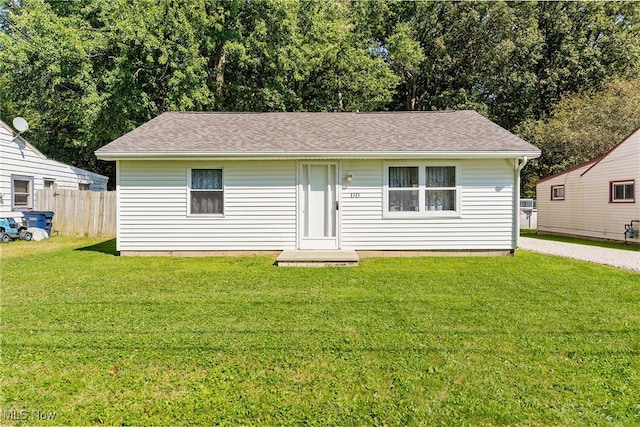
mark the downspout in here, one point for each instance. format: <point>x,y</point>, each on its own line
<point>516,203</point>
<point>118,207</point>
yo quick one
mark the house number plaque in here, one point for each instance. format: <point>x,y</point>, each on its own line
<point>355,195</point>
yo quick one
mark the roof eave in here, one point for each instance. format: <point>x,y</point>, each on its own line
<point>194,155</point>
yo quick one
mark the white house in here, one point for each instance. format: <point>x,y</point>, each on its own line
<point>596,199</point>
<point>23,170</point>
<point>437,181</point>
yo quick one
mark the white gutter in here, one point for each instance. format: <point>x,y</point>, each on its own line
<point>191,155</point>
<point>516,202</point>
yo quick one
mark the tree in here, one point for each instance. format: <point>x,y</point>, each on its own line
<point>87,71</point>
<point>48,77</point>
<point>308,56</point>
<point>510,60</point>
<point>582,127</point>
<point>585,44</point>
<point>406,57</point>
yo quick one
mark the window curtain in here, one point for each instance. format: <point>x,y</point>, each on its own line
<point>203,201</point>
<point>441,176</point>
<point>206,179</point>
<point>206,202</point>
<point>403,188</point>
<point>403,177</point>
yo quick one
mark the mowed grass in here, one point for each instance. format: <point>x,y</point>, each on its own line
<point>93,338</point>
<point>611,244</point>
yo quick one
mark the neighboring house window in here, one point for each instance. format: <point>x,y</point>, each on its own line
<point>49,183</point>
<point>622,191</point>
<point>84,186</point>
<point>22,192</point>
<point>557,192</point>
<point>421,190</point>
<point>206,192</point>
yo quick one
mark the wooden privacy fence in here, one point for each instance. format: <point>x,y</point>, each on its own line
<point>79,213</point>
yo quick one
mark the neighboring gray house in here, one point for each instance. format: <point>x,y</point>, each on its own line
<point>595,199</point>
<point>24,169</point>
<point>437,181</point>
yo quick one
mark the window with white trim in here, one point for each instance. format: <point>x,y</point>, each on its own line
<point>557,192</point>
<point>622,191</point>
<point>404,192</point>
<point>440,193</point>
<point>49,183</point>
<point>206,193</point>
<point>21,192</point>
<point>423,189</point>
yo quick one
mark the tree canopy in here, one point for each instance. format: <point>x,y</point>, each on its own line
<point>87,71</point>
<point>583,126</point>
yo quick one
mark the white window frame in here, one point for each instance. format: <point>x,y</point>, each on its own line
<point>553,192</point>
<point>189,190</point>
<point>422,188</point>
<point>28,179</point>
<point>612,189</point>
<point>50,181</point>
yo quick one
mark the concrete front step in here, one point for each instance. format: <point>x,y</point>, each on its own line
<point>317,258</point>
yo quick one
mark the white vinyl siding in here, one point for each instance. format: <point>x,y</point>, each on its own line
<point>484,220</point>
<point>259,207</point>
<point>587,209</point>
<point>20,159</point>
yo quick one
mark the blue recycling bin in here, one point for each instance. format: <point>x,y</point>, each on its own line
<point>38,219</point>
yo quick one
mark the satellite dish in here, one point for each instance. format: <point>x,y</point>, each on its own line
<point>20,124</point>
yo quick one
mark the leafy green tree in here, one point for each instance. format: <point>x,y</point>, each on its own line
<point>48,77</point>
<point>304,56</point>
<point>406,56</point>
<point>582,127</point>
<point>584,45</point>
<point>510,60</point>
<point>87,71</point>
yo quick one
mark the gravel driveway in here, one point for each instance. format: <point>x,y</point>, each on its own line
<point>627,260</point>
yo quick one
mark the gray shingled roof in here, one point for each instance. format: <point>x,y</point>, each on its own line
<point>258,134</point>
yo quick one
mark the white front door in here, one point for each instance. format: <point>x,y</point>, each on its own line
<point>318,225</point>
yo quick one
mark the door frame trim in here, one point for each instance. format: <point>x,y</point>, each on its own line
<point>300,200</point>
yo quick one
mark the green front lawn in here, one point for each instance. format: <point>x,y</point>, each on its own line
<point>93,338</point>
